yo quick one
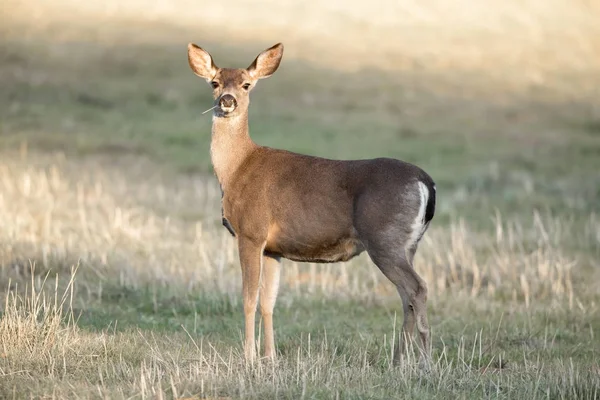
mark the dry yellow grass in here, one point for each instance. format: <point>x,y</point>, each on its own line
<point>124,228</point>
<point>167,230</point>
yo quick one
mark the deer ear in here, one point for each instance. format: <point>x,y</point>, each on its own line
<point>267,62</point>
<point>201,62</point>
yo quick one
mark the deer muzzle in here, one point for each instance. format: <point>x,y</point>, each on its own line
<point>227,103</point>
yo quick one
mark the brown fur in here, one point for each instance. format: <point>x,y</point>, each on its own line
<point>283,204</point>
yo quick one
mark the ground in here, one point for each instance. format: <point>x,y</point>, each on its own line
<point>120,281</point>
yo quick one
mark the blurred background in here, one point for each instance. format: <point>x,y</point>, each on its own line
<point>496,96</point>
<point>104,152</point>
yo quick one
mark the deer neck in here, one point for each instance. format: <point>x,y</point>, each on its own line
<point>230,146</point>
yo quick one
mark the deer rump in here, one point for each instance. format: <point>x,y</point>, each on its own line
<point>319,210</point>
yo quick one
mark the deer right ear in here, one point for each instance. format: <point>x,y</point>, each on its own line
<point>201,62</point>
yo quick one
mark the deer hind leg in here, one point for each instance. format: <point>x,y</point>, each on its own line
<point>250,260</point>
<point>421,314</point>
<point>417,290</point>
<point>408,325</point>
<point>413,291</point>
<point>268,295</point>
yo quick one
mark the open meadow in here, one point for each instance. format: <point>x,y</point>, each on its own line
<point>117,279</point>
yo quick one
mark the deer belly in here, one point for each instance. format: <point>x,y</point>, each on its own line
<point>322,252</point>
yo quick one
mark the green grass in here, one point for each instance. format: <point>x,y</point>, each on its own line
<point>217,318</point>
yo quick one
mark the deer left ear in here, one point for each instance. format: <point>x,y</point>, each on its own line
<point>266,63</point>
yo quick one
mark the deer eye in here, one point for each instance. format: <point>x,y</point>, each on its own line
<point>214,84</point>
<point>246,86</point>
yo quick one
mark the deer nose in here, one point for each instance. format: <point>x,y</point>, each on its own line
<point>227,103</point>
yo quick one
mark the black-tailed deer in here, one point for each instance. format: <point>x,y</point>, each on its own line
<point>281,204</point>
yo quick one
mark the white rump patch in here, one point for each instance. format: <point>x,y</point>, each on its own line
<point>418,227</point>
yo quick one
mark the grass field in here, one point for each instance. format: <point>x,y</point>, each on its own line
<point>120,282</point>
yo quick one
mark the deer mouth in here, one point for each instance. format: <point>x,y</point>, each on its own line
<point>227,109</point>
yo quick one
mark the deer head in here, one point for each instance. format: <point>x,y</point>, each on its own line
<point>232,86</point>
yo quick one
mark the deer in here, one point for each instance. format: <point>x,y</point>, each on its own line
<point>279,204</point>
